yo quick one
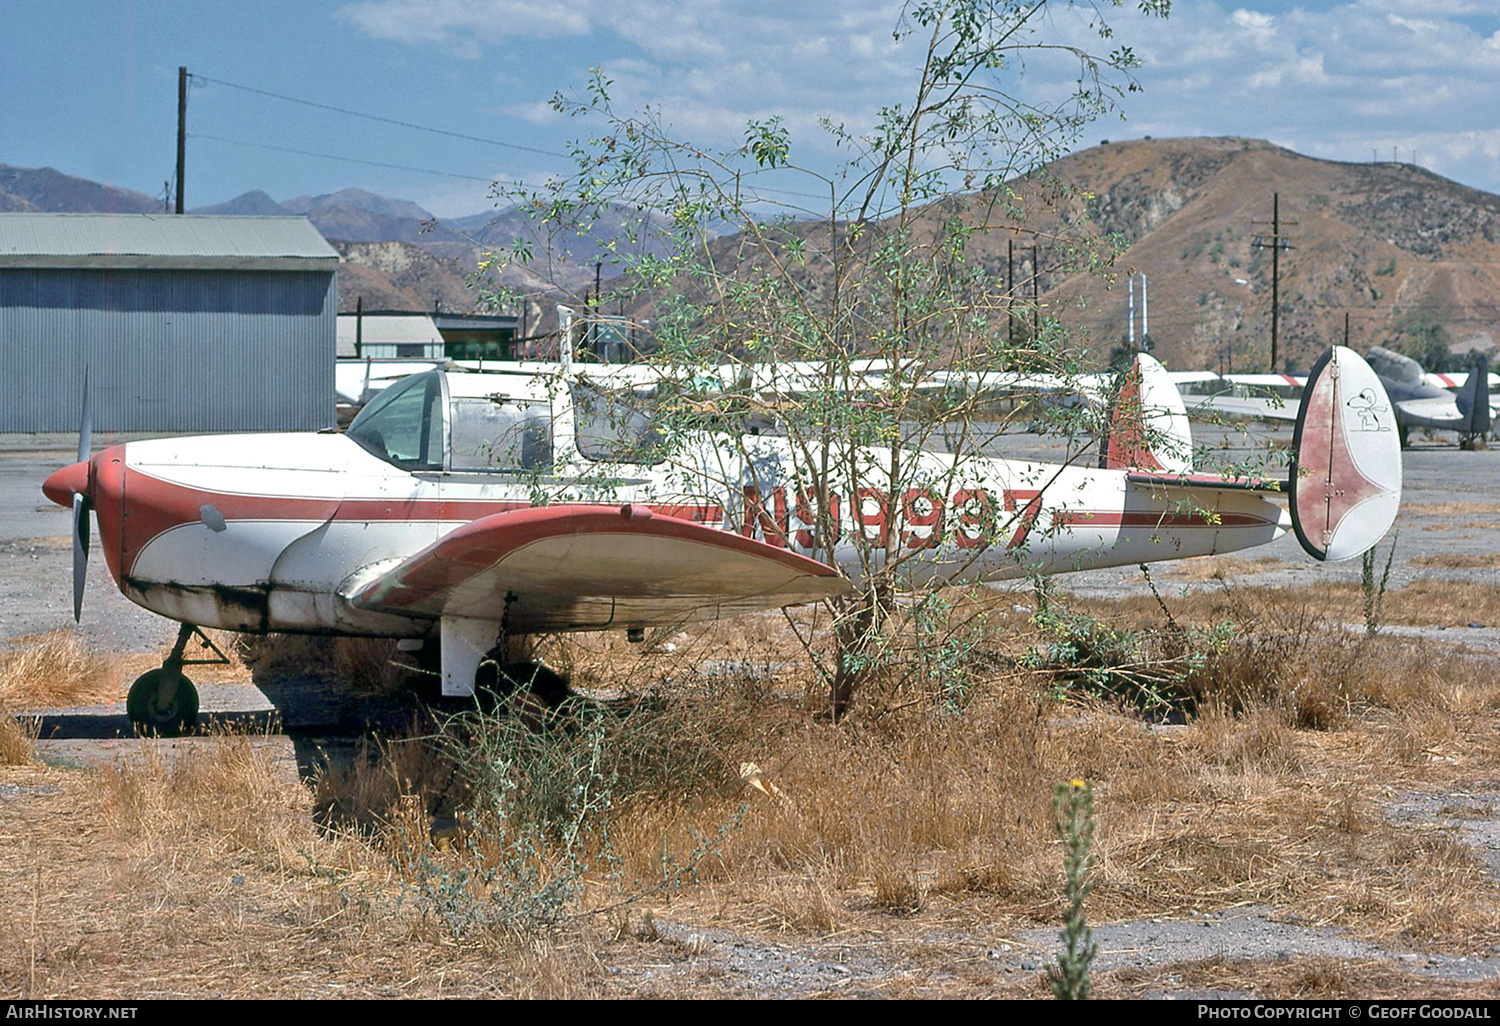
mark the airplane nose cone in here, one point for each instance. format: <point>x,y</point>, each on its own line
<point>63,484</point>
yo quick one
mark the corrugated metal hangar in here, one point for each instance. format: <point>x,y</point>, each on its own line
<point>185,322</point>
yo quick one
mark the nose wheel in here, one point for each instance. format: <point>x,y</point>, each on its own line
<point>163,702</point>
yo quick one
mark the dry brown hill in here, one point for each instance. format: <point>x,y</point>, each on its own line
<point>399,276</point>
<point>407,276</point>
<point>1413,258</point>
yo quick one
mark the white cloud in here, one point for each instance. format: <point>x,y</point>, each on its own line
<point>1343,78</point>
<point>465,25</point>
<point>537,112</point>
<point>1344,75</point>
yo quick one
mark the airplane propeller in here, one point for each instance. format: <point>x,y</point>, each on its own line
<point>82,503</point>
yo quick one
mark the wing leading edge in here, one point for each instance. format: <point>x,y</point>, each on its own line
<point>577,567</point>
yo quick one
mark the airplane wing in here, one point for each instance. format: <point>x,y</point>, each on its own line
<point>355,380</point>
<point>1191,377</point>
<point>576,567</point>
<point>1438,412</point>
<point>1229,405</point>
<point>1457,379</point>
<point>1267,380</point>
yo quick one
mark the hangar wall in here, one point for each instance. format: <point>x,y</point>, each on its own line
<point>169,348</point>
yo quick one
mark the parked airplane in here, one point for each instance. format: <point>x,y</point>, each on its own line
<point>463,508</point>
<point>1445,402</point>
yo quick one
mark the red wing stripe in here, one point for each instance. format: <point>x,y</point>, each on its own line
<point>487,541</point>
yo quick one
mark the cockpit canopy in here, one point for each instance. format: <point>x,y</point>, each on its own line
<point>480,423</point>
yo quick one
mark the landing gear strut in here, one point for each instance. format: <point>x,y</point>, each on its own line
<point>163,702</point>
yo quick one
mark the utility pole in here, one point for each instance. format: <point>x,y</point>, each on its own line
<point>1036,295</point>
<point>182,77</point>
<point>1146,345</point>
<point>1010,291</point>
<point>1275,242</point>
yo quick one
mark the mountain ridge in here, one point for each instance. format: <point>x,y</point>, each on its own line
<point>1411,257</point>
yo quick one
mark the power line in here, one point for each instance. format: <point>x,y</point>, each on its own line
<point>377,117</point>
<point>421,128</point>
<point>334,156</point>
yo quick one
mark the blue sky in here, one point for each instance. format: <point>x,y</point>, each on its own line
<point>90,88</point>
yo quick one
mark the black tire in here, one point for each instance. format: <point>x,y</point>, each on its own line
<point>496,683</point>
<point>151,719</point>
<point>541,680</point>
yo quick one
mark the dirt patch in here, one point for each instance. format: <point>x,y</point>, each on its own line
<point>1447,509</point>
<point>1469,561</point>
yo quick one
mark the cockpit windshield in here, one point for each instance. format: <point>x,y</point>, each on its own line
<point>404,424</point>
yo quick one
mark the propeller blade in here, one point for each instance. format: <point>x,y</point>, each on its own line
<point>81,506</point>
<point>81,503</point>
<point>86,421</point>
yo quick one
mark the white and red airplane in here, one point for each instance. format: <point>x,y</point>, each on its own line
<point>464,508</point>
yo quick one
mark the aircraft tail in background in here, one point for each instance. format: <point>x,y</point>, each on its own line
<point>1148,423</point>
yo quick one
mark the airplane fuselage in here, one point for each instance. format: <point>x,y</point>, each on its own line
<point>265,533</point>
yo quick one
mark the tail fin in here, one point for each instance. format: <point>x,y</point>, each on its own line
<point>1148,424</point>
<point>1474,400</point>
<point>1346,464</point>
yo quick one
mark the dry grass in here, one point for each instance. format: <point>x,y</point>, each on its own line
<point>56,669</point>
<point>213,853</point>
<point>912,819</point>
<point>1459,561</point>
<point>1447,509</point>
<point>1425,602</point>
<point>1214,567</point>
<point>17,740</point>
<point>1289,979</point>
<point>49,670</point>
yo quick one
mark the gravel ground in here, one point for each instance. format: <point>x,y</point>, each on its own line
<point>1451,506</point>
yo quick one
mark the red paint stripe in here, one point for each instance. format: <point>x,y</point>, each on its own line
<point>156,505</point>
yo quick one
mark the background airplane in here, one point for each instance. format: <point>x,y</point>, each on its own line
<point>1447,402</point>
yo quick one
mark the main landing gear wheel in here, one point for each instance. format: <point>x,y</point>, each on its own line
<point>162,703</point>
<point>534,691</point>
